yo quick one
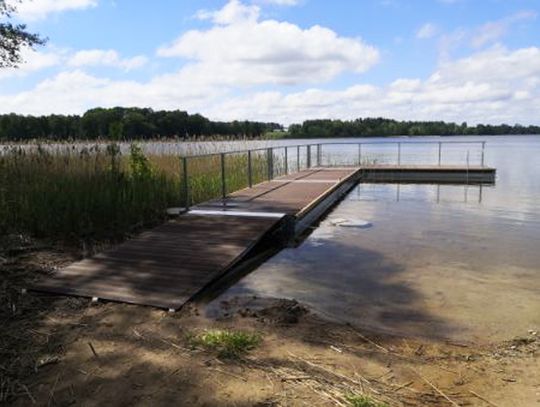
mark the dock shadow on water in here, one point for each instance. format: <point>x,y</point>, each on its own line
<point>435,261</point>
<point>345,283</point>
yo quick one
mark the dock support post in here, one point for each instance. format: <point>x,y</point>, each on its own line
<point>286,160</point>
<point>359,154</point>
<point>186,182</point>
<point>440,153</point>
<point>398,153</point>
<point>298,158</point>
<point>223,186</point>
<point>483,152</point>
<point>308,153</point>
<point>319,148</point>
<point>250,170</point>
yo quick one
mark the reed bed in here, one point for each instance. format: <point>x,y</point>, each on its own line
<point>102,192</point>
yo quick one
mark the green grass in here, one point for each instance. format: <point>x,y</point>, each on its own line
<point>230,344</point>
<point>360,400</point>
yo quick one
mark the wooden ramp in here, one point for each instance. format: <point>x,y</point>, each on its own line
<point>165,266</point>
<point>168,265</point>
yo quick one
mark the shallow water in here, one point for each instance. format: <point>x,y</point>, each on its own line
<point>457,262</point>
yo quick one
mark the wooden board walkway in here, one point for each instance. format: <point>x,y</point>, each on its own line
<point>168,265</point>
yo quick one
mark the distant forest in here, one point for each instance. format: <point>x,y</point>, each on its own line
<point>125,124</point>
<point>139,124</point>
<point>387,127</point>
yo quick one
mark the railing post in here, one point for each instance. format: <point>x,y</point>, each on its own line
<point>440,153</point>
<point>308,152</point>
<point>398,153</point>
<point>223,186</point>
<point>483,152</point>
<point>359,154</point>
<point>270,159</point>
<point>298,158</point>
<point>319,148</point>
<point>467,182</point>
<point>286,160</point>
<point>186,180</point>
<point>250,170</point>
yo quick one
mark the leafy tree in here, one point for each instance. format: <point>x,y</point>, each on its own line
<point>379,127</point>
<point>120,123</point>
<point>14,37</point>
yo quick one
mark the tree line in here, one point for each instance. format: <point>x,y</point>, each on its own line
<point>143,123</point>
<point>389,127</point>
<point>125,124</point>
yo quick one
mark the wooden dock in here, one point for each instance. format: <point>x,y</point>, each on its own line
<point>167,266</point>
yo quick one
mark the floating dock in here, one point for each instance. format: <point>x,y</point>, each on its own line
<point>429,174</point>
<point>170,264</point>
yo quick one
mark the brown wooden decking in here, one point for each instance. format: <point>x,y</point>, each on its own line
<point>289,194</point>
<point>168,265</point>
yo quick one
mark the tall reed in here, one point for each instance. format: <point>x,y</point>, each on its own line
<point>100,192</point>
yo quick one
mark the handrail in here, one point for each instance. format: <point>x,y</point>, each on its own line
<point>331,143</point>
<point>308,158</point>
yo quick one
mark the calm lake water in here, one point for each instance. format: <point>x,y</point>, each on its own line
<point>457,262</point>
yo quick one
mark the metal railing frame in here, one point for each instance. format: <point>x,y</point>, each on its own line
<point>308,147</point>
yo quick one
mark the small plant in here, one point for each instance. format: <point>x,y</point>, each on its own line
<point>140,165</point>
<point>229,344</point>
<point>361,400</point>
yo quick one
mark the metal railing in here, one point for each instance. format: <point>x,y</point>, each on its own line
<point>281,160</point>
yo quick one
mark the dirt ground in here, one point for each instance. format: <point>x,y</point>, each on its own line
<point>58,351</point>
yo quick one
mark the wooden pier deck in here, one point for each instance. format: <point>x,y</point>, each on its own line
<point>168,265</point>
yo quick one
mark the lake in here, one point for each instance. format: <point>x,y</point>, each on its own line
<point>441,261</point>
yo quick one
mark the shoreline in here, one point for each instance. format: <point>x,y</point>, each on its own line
<point>68,350</point>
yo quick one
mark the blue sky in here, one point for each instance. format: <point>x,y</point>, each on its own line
<point>284,60</point>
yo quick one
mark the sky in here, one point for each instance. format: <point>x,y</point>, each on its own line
<point>283,60</point>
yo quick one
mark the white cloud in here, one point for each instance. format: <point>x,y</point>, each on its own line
<point>428,30</point>
<point>494,65</point>
<point>481,36</point>
<point>34,61</point>
<point>498,85</point>
<point>494,30</point>
<point>406,85</point>
<point>40,9</point>
<point>240,49</point>
<point>99,57</point>
<point>233,12</point>
<point>460,90</point>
